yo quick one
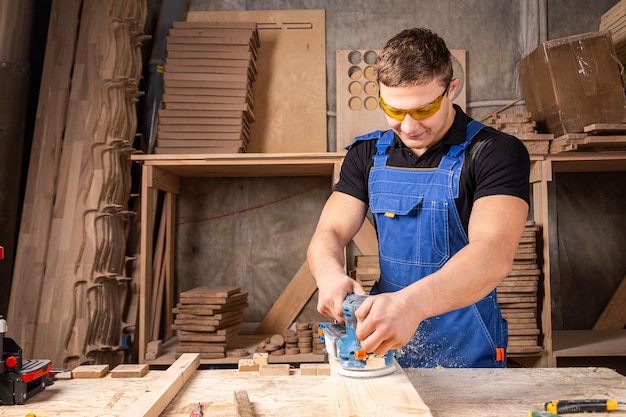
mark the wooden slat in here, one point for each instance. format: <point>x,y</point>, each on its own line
<point>161,392</point>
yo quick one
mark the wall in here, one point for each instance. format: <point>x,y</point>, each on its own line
<point>494,33</point>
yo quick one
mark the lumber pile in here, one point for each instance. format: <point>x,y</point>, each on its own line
<point>614,20</point>
<point>517,295</point>
<point>73,299</point>
<point>595,138</point>
<point>208,319</point>
<point>524,128</point>
<point>209,71</point>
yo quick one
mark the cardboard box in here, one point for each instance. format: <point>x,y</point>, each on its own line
<point>573,82</point>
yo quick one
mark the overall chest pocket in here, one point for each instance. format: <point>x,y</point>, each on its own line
<point>412,230</point>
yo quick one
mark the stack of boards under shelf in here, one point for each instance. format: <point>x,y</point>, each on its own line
<point>208,76</point>
<point>208,319</point>
<point>517,293</point>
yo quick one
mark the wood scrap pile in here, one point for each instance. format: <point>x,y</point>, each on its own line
<point>209,71</point>
<point>524,128</point>
<point>596,138</point>
<point>614,20</point>
<point>208,319</point>
<point>72,299</point>
<point>293,342</point>
<point>517,295</point>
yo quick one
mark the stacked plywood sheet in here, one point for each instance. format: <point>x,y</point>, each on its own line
<point>524,128</point>
<point>207,98</point>
<point>208,319</point>
<point>614,20</point>
<point>597,137</point>
<point>517,295</point>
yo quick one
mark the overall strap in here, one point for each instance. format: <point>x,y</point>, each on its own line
<point>382,145</point>
<point>456,151</point>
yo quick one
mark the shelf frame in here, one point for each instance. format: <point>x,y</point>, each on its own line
<point>560,343</point>
<point>163,173</point>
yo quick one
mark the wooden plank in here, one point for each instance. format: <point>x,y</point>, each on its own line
<point>45,161</point>
<point>614,315</point>
<point>161,392</point>
<point>286,308</point>
<point>389,395</point>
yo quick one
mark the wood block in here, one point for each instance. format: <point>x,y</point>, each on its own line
<point>274,369</point>
<point>90,371</point>
<point>315,369</point>
<point>247,365</point>
<point>308,369</point>
<point>153,349</point>
<point>260,358</point>
<point>129,371</point>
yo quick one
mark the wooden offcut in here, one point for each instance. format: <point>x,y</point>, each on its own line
<point>129,371</point>
<point>90,371</point>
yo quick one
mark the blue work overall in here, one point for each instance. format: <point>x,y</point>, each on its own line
<point>419,230</point>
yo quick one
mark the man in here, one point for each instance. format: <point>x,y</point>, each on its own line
<point>449,198</point>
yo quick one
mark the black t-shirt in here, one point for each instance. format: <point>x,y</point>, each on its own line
<point>495,164</point>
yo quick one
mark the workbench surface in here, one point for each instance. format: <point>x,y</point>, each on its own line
<point>509,392</point>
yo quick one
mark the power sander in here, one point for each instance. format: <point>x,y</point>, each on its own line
<point>342,343</point>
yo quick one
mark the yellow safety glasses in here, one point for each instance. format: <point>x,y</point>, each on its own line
<point>418,113</point>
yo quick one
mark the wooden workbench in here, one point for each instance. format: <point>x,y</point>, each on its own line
<point>447,392</point>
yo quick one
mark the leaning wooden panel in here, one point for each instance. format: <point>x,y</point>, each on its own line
<point>290,90</point>
<point>389,395</point>
<point>357,93</point>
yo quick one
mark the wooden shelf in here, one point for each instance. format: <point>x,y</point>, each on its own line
<point>164,173</point>
<point>588,343</point>
<point>244,164</point>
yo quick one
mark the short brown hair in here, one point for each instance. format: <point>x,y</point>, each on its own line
<point>414,57</point>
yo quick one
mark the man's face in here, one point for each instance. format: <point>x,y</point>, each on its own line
<point>419,135</point>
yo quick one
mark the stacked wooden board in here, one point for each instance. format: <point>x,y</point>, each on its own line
<point>614,20</point>
<point>597,137</point>
<point>208,76</point>
<point>524,128</point>
<point>367,271</point>
<point>517,295</point>
<point>208,319</point>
